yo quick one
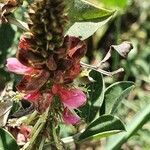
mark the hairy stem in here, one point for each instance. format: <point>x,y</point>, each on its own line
<point>31,117</point>
<point>97,68</point>
<point>36,130</point>
<point>56,139</point>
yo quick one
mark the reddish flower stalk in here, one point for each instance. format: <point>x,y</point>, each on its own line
<point>59,68</point>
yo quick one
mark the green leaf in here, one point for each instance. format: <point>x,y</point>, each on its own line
<point>81,10</point>
<point>110,4</point>
<point>86,18</point>
<point>86,29</point>
<point>137,122</point>
<point>95,96</point>
<point>104,126</point>
<point>7,141</point>
<point>114,94</point>
<point>6,39</point>
<point>96,93</point>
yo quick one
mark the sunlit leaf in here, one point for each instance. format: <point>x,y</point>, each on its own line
<point>20,24</point>
<point>5,108</point>
<point>86,29</point>
<point>110,4</point>
<point>86,18</point>
<point>96,96</point>
<point>6,103</point>
<point>114,94</point>
<point>81,10</point>
<point>104,126</point>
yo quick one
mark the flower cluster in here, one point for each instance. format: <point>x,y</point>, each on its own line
<point>49,61</point>
<point>45,77</point>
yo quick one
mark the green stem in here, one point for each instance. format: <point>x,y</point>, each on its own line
<point>56,139</point>
<point>31,117</point>
<point>42,143</point>
<point>35,136</point>
<point>36,126</point>
<point>100,70</point>
<point>36,130</point>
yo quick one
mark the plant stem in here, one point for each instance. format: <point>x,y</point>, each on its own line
<point>36,130</point>
<point>97,68</point>
<point>35,136</point>
<point>36,126</point>
<point>31,117</point>
<point>42,143</point>
<point>56,139</point>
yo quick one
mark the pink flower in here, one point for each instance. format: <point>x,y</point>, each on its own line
<point>32,80</point>
<point>70,118</point>
<point>21,140</point>
<point>32,97</point>
<point>25,130</point>
<point>23,135</point>
<point>40,100</point>
<point>15,66</point>
<point>71,98</point>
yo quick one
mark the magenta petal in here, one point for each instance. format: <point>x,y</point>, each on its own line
<point>15,66</point>
<point>33,96</point>
<point>69,117</point>
<point>71,98</point>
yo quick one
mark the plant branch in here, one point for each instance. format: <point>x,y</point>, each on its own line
<point>31,117</point>
<point>36,130</point>
<point>55,136</point>
<point>42,143</point>
<point>97,68</point>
